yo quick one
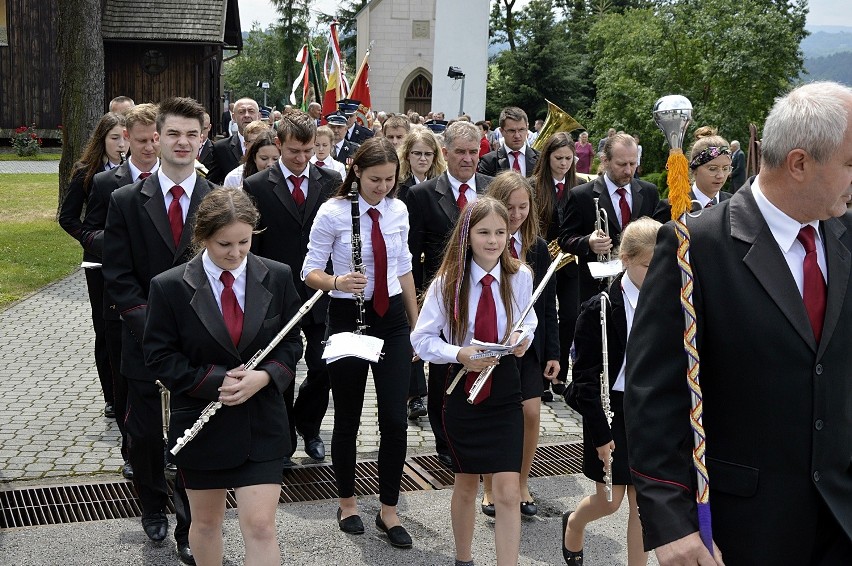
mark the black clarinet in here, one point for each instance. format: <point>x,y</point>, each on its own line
<point>357,262</point>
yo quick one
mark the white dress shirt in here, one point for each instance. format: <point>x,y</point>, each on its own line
<point>213,273</point>
<point>188,185</point>
<point>630,292</point>
<point>426,336</point>
<point>330,163</point>
<point>469,194</point>
<point>517,243</point>
<point>135,171</point>
<point>234,179</point>
<point>286,172</point>
<point>331,235</point>
<point>785,230</point>
<point>522,159</point>
<point>702,198</point>
<point>616,198</point>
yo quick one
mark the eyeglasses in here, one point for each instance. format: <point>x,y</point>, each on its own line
<point>426,154</point>
<point>715,169</point>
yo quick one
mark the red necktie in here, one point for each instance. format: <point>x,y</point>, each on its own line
<point>176,213</point>
<point>516,165</point>
<point>485,329</point>
<point>231,310</point>
<point>512,250</point>
<point>813,290</point>
<point>380,265</point>
<point>320,163</point>
<point>144,175</point>
<point>560,188</point>
<point>710,203</point>
<point>625,208</point>
<point>461,202</point>
<point>298,195</point>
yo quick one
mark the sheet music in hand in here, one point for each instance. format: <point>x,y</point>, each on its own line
<point>345,344</point>
<point>603,270</point>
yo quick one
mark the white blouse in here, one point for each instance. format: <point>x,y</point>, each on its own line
<point>331,235</point>
<point>426,337</point>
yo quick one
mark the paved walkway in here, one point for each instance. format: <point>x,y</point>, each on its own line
<point>51,409</point>
<point>29,166</point>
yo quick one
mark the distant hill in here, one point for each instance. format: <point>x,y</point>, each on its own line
<point>827,40</point>
<point>835,67</point>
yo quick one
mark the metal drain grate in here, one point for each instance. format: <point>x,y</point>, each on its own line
<point>50,505</point>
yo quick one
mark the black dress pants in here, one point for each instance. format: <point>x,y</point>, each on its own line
<point>348,382</point>
<point>312,403</point>
<point>95,287</point>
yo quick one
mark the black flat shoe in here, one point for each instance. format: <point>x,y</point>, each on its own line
<point>315,449</point>
<point>416,409</point>
<point>528,508</point>
<point>109,411</point>
<point>185,554</point>
<point>445,460</point>
<point>127,471</point>
<point>572,558</point>
<point>488,509</point>
<point>547,397</point>
<point>397,535</point>
<point>156,526</point>
<point>351,524</point>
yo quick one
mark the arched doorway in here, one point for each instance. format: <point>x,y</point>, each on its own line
<point>418,95</point>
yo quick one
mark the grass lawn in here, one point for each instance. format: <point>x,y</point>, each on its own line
<point>34,250</point>
<point>40,157</point>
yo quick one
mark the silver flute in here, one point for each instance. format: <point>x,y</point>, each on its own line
<point>211,409</point>
<point>165,409</point>
<point>357,261</point>
<point>485,374</point>
<point>605,403</point>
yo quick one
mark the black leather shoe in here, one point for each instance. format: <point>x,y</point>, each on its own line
<point>127,471</point>
<point>416,409</point>
<point>528,508</point>
<point>547,397</point>
<point>156,525</point>
<point>351,524</point>
<point>315,449</point>
<point>445,460</point>
<point>488,509</point>
<point>109,411</point>
<point>558,388</point>
<point>170,471</point>
<point>572,558</point>
<point>397,535</point>
<point>288,464</point>
<point>185,554</point>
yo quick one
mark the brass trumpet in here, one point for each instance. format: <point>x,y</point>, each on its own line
<point>602,225</point>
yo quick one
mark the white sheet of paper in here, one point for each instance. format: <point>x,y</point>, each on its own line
<point>602,270</point>
<point>345,344</point>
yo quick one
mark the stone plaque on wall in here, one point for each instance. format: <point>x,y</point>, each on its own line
<point>420,29</point>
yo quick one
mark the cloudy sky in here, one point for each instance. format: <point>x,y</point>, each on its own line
<point>822,12</point>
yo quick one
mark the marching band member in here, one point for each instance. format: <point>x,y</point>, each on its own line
<point>584,395</point>
<point>479,292</point>
<point>515,192</point>
<point>205,320</point>
<point>390,313</point>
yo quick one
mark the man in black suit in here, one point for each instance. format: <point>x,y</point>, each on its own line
<point>619,194</point>
<point>228,152</point>
<point>227,117</point>
<point>773,305</point>
<point>514,153</point>
<point>738,164</point>
<point>288,196</point>
<point>206,145</point>
<point>343,149</point>
<point>355,132</point>
<point>147,233</point>
<point>141,133</point>
<point>433,209</point>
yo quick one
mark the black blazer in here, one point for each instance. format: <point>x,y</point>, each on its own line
<point>285,232</point>
<point>226,122</point>
<point>432,215</point>
<point>560,209</point>
<point>404,187</point>
<point>138,246</point>
<point>360,134</point>
<point>225,157</point>
<point>546,339</point>
<point>347,150</point>
<point>69,215</point>
<point>495,161</point>
<point>776,404</point>
<point>580,219</point>
<point>585,388</point>
<point>188,348</point>
<point>664,208</point>
<point>738,173</point>
<point>206,149</point>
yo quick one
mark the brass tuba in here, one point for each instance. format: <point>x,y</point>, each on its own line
<point>557,120</point>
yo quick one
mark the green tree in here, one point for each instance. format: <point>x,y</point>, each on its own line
<point>502,22</point>
<point>292,31</point>
<point>261,60</point>
<point>542,66</point>
<point>731,58</point>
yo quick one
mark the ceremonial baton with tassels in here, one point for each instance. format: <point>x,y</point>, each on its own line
<point>672,114</point>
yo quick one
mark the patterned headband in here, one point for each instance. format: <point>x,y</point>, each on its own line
<point>463,237</point>
<point>707,155</point>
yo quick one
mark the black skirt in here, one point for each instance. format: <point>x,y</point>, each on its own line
<point>247,473</point>
<point>592,465</point>
<point>488,437</point>
<point>532,376</point>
